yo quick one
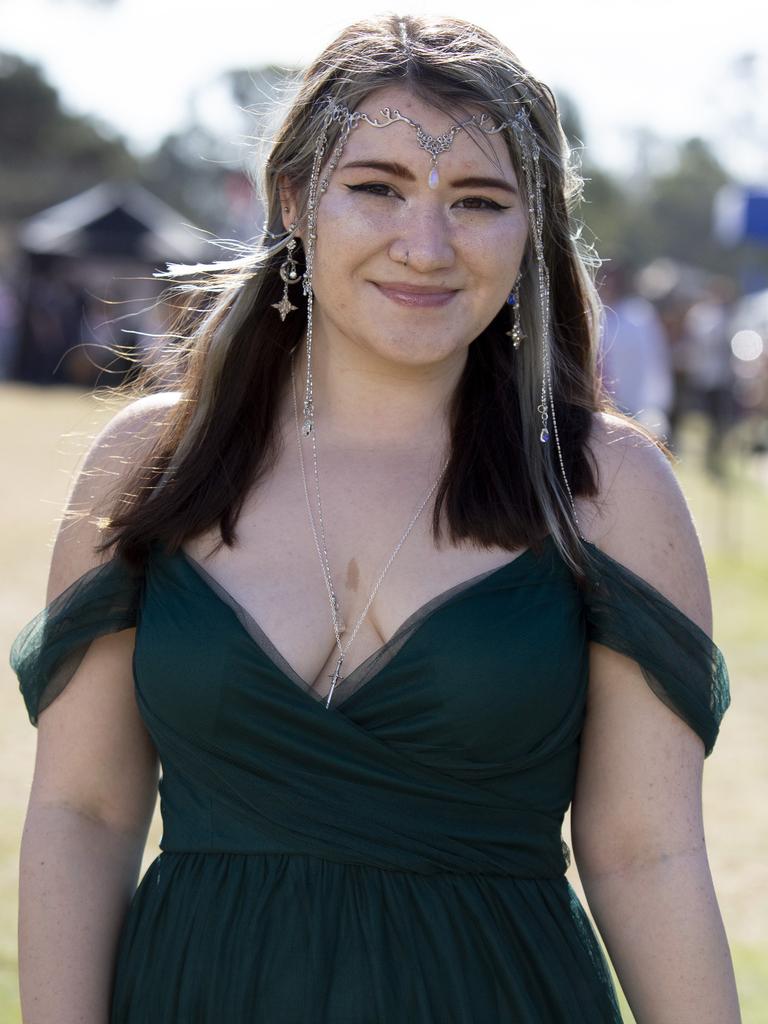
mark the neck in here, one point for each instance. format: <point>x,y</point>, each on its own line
<point>365,401</point>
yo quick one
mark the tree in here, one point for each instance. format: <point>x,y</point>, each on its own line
<point>679,208</point>
<point>48,154</point>
<point>187,172</point>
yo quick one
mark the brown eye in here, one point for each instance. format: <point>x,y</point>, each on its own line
<point>479,203</point>
<point>371,188</point>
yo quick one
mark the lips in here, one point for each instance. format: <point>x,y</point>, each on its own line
<point>416,296</point>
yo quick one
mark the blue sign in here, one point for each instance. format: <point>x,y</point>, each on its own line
<point>741,214</point>
<point>756,215</point>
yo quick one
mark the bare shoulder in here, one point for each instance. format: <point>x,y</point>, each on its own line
<point>126,440</point>
<point>136,424</point>
<point>641,518</point>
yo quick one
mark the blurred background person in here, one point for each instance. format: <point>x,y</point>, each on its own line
<point>634,355</point>
<point>705,353</point>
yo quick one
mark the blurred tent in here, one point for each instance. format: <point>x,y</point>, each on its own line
<point>113,219</point>
<point>85,268</point>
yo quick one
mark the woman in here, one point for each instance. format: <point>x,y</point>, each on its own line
<point>369,736</point>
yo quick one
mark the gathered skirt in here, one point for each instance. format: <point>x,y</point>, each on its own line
<point>222,938</point>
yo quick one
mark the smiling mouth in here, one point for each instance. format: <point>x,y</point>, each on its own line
<point>416,296</point>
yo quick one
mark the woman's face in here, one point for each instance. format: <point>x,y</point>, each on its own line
<point>464,239</point>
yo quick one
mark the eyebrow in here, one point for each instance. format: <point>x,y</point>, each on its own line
<point>400,171</point>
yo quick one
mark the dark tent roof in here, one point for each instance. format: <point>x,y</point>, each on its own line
<point>112,219</point>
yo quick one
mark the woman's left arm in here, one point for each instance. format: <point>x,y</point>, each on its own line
<point>636,821</point>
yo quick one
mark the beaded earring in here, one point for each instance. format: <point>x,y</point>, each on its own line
<point>513,300</point>
<point>289,274</point>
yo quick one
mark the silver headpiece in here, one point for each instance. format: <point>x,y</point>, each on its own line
<point>520,124</point>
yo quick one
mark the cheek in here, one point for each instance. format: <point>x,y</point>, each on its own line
<point>340,247</point>
<point>350,235</point>
<point>345,239</point>
<point>495,251</point>
<point>344,220</point>
<point>507,237</point>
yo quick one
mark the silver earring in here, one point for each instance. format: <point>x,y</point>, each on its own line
<point>289,274</point>
<point>513,300</point>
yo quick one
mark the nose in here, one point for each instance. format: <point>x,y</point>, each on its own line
<point>426,237</point>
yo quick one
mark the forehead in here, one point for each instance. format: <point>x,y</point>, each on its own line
<point>473,148</point>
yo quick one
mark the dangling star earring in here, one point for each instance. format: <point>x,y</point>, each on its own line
<point>290,275</point>
<point>513,300</point>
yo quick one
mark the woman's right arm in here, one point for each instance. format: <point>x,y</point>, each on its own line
<point>95,780</point>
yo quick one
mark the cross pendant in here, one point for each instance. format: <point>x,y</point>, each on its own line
<point>334,677</point>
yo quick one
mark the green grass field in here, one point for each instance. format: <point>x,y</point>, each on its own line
<point>43,434</point>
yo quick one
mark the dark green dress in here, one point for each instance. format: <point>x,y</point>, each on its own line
<point>397,856</point>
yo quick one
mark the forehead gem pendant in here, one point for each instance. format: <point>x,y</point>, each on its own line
<point>435,145</point>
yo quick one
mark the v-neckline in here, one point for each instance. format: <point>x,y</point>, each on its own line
<point>364,673</point>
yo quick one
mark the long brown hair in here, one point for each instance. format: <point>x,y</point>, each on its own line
<point>230,359</point>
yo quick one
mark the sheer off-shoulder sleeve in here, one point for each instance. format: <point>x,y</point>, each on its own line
<point>48,650</point>
<point>681,664</point>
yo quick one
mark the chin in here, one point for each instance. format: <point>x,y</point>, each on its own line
<point>417,350</point>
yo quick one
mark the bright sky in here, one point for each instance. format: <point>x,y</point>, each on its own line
<point>665,67</point>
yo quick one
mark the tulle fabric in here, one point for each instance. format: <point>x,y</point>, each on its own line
<point>47,651</point>
<point>292,940</point>
<point>681,664</point>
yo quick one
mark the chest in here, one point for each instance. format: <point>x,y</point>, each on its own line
<point>489,680</point>
<point>275,576</point>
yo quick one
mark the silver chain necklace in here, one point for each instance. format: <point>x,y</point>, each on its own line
<point>338,626</point>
